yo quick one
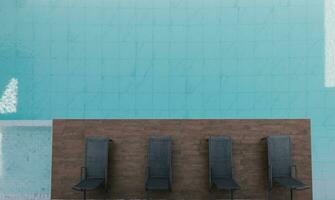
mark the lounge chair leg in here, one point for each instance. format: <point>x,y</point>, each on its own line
<point>213,196</point>
<point>147,195</point>
<point>269,194</point>
<point>169,196</point>
<point>291,191</point>
<point>84,194</point>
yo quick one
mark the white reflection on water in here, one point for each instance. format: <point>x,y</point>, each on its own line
<point>8,101</point>
<point>329,43</point>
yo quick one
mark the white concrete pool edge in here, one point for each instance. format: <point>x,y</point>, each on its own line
<point>29,124</point>
<point>8,123</point>
<point>25,197</point>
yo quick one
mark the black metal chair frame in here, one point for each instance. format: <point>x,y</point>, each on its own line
<point>290,180</point>
<point>232,185</point>
<point>165,140</point>
<point>85,181</point>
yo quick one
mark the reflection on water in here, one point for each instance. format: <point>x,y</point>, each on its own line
<point>330,43</point>
<point>8,101</point>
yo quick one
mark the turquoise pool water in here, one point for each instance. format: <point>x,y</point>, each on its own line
<point>167,59</point>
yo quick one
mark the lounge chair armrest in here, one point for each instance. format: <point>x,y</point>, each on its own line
<point>210,173</point>
<point>170,182</point>
<point>170,175</point>
<point>270,176</point>
<point>294,172</point>
<point>210,179</point>
<point>106,179</point>
<point>83,173</point>
<point>148,172</point>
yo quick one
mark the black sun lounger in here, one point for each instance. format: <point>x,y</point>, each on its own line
<point>159,172</point>
<point>94,173</point>
<point>280,164</point>
<point>221,164</point>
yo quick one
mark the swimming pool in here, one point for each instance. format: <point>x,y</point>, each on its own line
<point>167,59</point>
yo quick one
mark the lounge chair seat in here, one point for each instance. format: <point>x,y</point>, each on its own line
<point>226,184</point>
<point>88,184</point>
<point>158,184</point>
<point>291,183</point>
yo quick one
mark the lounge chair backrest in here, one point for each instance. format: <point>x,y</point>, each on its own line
<point>159,158</point>
<point>220,157</point>
<point>96,161</point>
<point>279,155</point>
